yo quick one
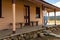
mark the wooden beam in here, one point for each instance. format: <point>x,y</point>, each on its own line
<point>55,16</point>
<point>13,6</point>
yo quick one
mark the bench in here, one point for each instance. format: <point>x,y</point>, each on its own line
<point>32,23</point>
<point>20,24</point>
<point>12,23</point>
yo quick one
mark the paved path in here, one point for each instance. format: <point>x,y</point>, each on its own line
<point>26,29</point>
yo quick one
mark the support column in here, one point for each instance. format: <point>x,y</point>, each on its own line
<point>55,16</point>
<point>42,17</point>
<point>43,14</point>
<point>48,16</point>
<point>13,7</point>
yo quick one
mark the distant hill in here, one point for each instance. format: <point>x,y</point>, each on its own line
<point>52,17</point>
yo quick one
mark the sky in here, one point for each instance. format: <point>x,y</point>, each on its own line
<point>52,1</point>
<point>56,3</point>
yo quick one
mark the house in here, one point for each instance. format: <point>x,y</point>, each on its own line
<point>24,11</point>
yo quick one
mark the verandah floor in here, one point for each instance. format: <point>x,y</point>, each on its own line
<point>29,29</point>
<point>26,29</point>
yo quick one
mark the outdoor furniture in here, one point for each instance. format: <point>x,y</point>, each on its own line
<point>12,23</point>
<point>32,23</point>
<point>21,24</point>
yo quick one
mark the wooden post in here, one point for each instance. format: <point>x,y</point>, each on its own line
<point>48,17</point>
<point>42,16</point>
<point>55,16</point>
<point>43,11</point>
<point>42,19</point>
<point>13,6</point>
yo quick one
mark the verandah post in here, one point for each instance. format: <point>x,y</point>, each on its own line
<point>55,16</point>
<point>48,17</point>
<point>42,17</point>
<point>13,7</point>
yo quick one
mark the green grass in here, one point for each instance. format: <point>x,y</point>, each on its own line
<point>53,22</point>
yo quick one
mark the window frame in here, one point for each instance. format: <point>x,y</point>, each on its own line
<point>37,12</point>
<point>1,9</point>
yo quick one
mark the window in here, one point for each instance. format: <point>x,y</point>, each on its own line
<point>37,12</point>
<point>0,8</point>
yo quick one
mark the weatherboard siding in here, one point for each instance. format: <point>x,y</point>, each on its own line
<point>8,14</point>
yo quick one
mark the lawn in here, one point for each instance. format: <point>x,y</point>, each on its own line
<point>51,22</point>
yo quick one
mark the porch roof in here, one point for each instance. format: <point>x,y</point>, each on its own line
<point>45,4</point>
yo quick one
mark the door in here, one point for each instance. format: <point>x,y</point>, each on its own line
<point>27,15</point>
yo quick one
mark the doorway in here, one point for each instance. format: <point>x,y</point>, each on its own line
<point>27,15</point>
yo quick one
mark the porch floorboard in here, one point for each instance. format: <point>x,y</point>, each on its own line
<point>4,33</point>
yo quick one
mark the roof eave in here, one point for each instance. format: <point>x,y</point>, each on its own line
<point>48,5</point>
